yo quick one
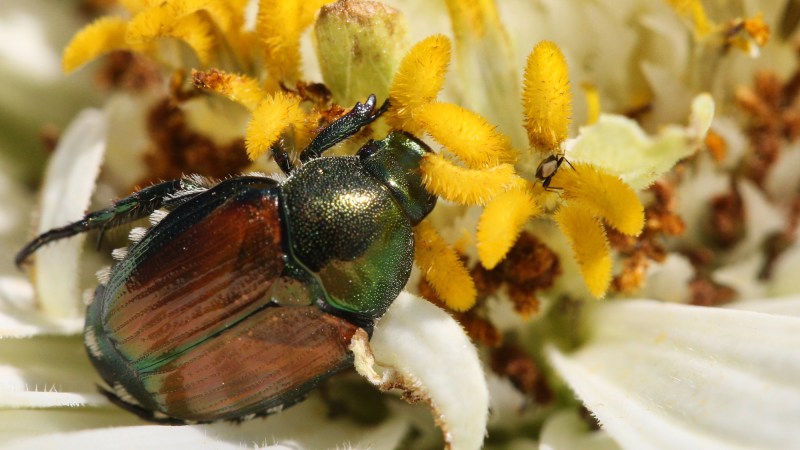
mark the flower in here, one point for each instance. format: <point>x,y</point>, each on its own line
<point>213,86</point>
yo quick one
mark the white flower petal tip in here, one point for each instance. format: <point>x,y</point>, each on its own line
<point>67,189</point>
<point>666,376</point>
<point>701,116</point>
<point>566,430</point>
<point>20,318</point>
<point>421,350</point>
<point>620,146</point>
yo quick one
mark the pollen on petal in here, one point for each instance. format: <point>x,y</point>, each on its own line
<point>466,134</point>
<point>605,194</point>
<point>418,80</point>
<point>271,118</point>
<point>466,186</point>
<point>589,244</point>
<point>104,35</point>
<point>501,222</point>
<point>238,88</point>
<point>279,25</point>
<point>443,269</point>
<point>546,100</point>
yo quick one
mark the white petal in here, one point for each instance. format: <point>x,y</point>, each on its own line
<point>46,372</point>
<point>620,146</point>
<point>567,431</point>
<point>784,306</point>
<point>784,279</point>
<point>425,352</point>
<point>19,316</point>
<point>67,189</point>
<point>665,376</point>
<point>305,426</point>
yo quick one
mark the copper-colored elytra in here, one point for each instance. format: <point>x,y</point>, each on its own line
<point>275,351</point>
<point>205,278</point>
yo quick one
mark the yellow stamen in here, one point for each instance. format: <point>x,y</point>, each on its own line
<point>135,6</point>
<point>501,222</point>
<point>604,194</point>
<point>279,25</point>
<point>191,21</point>
<point>197,32</point>
<point>466,134</point>
<point>547,100</point>
<point>694,11</point>
<point>465,186</point>
<point>157,20</point>
<point>443,269</point>
<point>588,240</point>
<point>472,17</point>
<point>418,80</point>
<point>592,103</point>
<point>238,88</point>
<point>272,117</point>
<point>102,36</point>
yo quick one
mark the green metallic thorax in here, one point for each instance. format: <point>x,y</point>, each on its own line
<point>350,222</point>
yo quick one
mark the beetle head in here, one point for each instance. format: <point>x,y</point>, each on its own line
<point>395,161</point>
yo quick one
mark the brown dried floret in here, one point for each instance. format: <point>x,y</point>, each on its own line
<point>128,71</point>
<point>775,244</point>
<point>177,149</point>
<point>774,117</point>
<point>707,292</point>
<point>520,368</point>
<point>530,266</point>
<point>661,220</point>
<point>726,222</point>
<point>479,329</point>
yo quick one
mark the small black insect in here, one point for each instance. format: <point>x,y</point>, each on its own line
<point>548,168</point>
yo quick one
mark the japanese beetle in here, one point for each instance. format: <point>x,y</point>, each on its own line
<point>245,293</point>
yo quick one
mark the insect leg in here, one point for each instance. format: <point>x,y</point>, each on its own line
<point>140,204</point>
<point>344,127</point>
<point>281,157</point>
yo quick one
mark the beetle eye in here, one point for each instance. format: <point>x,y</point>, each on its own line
<point>368,150</point>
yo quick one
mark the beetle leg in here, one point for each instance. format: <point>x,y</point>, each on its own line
<point>281,157</point>
<point>140,204</point>
<point>344,127</point>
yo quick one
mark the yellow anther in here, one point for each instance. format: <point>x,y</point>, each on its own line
<point>273,116</point>
<point>238,88</point>
<point>604,194</point>
<point>546,100</point>
<point>466,186</point>
<point>418,80</point>
<point>466,134</point>
<point>104,35</point>
<point>443,269</point>
<point>501,222</point>
<point>588,240</point>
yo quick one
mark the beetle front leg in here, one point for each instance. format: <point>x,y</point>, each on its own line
<point>360,116</point>
<point>140,204</point>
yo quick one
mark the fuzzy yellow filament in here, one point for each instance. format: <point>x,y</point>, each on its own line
<point>443,269</point>
<point>546,99</point>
